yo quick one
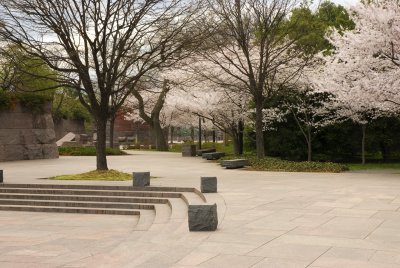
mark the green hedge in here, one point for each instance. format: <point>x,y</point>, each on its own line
<point>86,151</point>
<point>276,164</point>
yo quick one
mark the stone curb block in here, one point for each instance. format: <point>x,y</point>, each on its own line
<point>141,179</point>
<point>203,217</point>
<point>208,184</point>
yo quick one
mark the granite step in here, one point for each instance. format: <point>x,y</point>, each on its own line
<point>41,191</point>
<point>26,202</point>
<point>69,210</point>
<point>146,220</point>
<point>84,198</point>
<point>98,187</point>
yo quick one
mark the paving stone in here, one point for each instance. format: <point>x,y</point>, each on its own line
<point>231,261</point>
<point>281,263</point>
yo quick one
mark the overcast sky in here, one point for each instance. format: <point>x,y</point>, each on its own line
<point>346,3</point>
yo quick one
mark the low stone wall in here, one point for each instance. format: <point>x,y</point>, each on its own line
<point>63,126</point>
<point>25,135</point>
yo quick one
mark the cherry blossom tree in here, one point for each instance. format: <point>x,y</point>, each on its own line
<point>363,72</point>
<point>251,42</point>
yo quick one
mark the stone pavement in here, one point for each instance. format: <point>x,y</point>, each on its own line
<point>267,219</point>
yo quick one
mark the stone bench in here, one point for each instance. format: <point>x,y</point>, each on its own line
<point>204,151</point>
<point>234,163</point>
<point>213,156</point>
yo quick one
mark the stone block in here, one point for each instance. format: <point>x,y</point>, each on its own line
<point>50,151</point>
<point>2,153</point>
<point>27,136</point>
<point>213,156</point>
<point>130,139</point>
<point>10,137</point>
<point>188,150</point>
<point>203,217</point>
<point>235,163</point>
<point>44,136</point>
<point>68,137</point>
<point>208,184</point>
<point>207,150</point>
<point>42,121</point>
<point>33,151</point>
<point>141,179</point>
<point>14,152</point>
<point>15,120</point>
<point>1,176</point>
<point>121,139</point>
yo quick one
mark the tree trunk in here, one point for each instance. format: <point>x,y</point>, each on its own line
<point>199,132</point>
<point>363,128</point>
<point>236,144</point>
<point>226,139</point>
<point>161,142</point>
<point>309,145</point>
<point>240,137</point>
<point>214,136</point>
<point>101,155</point>
<point>259,128</point>
<point>112,124</point>
<point>192,134</point>
<point>172,134</point>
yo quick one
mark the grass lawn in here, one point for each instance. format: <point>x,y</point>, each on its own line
<point>106,175</point>
<point>369,166</point>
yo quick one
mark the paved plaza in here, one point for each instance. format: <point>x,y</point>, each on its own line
<point>266,219</point>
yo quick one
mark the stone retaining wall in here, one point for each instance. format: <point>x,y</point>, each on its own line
<point>25,135</point>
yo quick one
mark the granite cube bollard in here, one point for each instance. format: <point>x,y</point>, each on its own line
<point>141,179</point>
<point>188,150</point>
<point>208,184</point>
<point>1,176</point>
<point>203,217</point>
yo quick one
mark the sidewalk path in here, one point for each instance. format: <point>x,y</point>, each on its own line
<point>268,219</point>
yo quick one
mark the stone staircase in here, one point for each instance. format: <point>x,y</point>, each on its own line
<point>152,205</point>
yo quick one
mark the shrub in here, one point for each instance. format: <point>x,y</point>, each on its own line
<point>33,101</point>
<point>5,100</point>
<point>276,164</point>
<point>87,151</point>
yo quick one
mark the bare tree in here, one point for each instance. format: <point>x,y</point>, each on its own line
<point>150,101</point>
<point>101,48</point>
<point>254,48</point>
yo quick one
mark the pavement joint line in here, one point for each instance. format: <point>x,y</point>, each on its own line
<point>379,225</point>
<point>319,256</point>
<point>270,241</point>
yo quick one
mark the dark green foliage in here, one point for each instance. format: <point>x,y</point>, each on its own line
<point>309,28</point>
<point>87,151</point>
<point>33,101</point>
<point>340,142</point>
<point>5,100</point>
<point>24,79</point>
<point>66,105</point>
<point>276,164</point>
